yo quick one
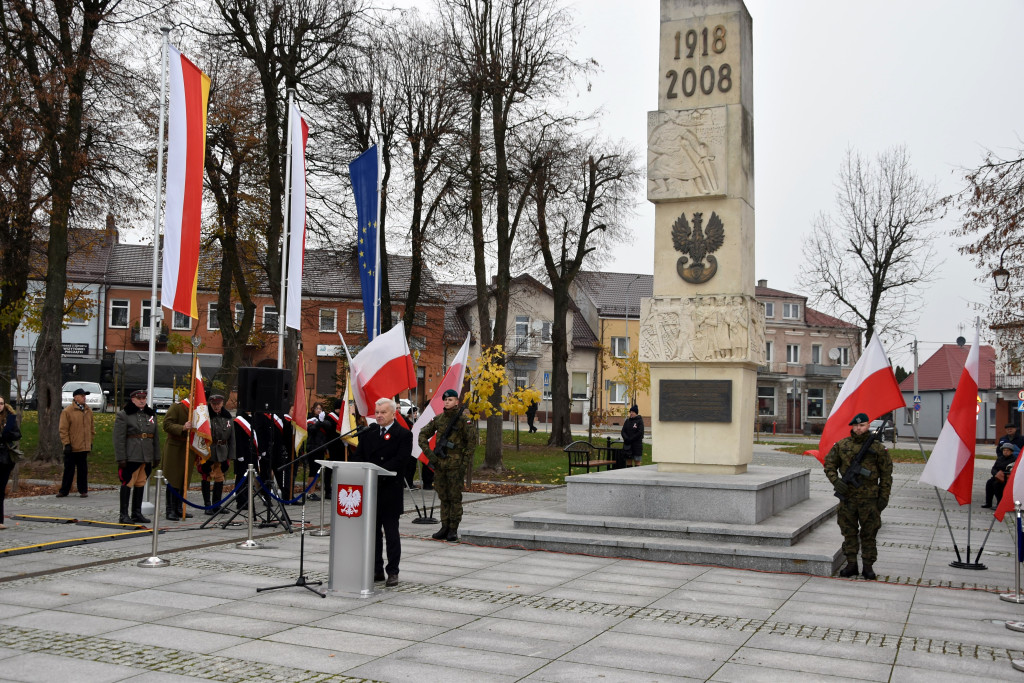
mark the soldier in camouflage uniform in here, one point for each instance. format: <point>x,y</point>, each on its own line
<point>864,504</point>
<point>450,471</point>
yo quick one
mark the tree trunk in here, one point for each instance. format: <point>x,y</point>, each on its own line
<point>561,404</point>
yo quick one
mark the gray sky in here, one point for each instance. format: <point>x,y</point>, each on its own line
<point>940,77</point>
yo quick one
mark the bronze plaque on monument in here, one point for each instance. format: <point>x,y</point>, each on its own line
<point>695,400</point>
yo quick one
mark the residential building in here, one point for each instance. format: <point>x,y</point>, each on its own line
<point>937,380</point>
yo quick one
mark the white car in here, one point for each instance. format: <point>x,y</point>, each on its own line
<point>404,406</point>
<point>97,398</point>
<point>162,399</point>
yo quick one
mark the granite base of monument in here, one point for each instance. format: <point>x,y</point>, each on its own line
<point>764,519</point>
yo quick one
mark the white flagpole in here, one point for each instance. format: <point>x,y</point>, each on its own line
<point>376,265</point>
<point>281,329</point>
<point>155,312</point>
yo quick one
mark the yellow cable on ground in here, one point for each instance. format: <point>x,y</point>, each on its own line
<point>52,545</point>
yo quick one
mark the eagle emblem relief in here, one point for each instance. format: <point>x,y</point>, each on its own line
<point>698,241</point>
<point>350,500</point>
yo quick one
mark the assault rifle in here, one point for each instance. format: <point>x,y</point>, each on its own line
<point>851,477</point>
<point>444,442</point>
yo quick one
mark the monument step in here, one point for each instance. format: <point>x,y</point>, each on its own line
<point>783,529</point>
<point>818,553</point>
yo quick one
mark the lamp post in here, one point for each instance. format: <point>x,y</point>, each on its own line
<point>1001,275</point>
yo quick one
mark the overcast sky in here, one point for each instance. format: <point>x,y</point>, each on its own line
<point>942,78</point>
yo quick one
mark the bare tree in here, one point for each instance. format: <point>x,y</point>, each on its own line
<point>583,193</point>
<point>867,262</point>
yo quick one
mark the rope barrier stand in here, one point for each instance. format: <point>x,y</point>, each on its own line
<point>155,560</point>
<point>249,544</point>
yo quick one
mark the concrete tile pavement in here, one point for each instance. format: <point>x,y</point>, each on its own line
<point>465,613</point>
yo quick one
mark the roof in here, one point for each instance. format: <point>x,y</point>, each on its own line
<point>455,327</point>
<point>942,370</point>
<point>582,336</point>
<point>609,291</point>
<point>88,254</point>
<point>815,318</point>
<point>760,291</point>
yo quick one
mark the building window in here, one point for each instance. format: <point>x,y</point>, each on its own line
<point>270,321</point>
<point>78,316</point>
<point>815,403</point>
<point>769,309</point>
<point>521,383</point>
<point>328,320</point>
<point>844,355</point>
<point>520,341</point>
<point>620,347</point>
<point>239,313</point>
<point>792,353</point>
<point>147,306</point>
<point>180,321</point>
<point>211,316</point>
<point>580,385</point>
<point>417,342</point>
<point>766,400</point>
<point>791,311</point>
<point>419,318</point>
<point>119,312</point>
<point>617,392</point>
<point>545,331</point>
<point>816,354</point>
<point>769,351</point>
<point>354,321</point>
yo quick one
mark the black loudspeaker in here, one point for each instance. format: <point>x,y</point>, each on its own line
<point>264,390</point>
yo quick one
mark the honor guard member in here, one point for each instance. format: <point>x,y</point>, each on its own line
<point>860,514</point>
<point>177,426</point>
<point>222,451</point>
<point>137,451</point>
<point>450,470</point>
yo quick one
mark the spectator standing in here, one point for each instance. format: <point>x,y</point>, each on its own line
<point>76,433</point>
<point>633,437</point>
<point>9,434</point>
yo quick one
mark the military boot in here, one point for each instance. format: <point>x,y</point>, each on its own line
<point>125,495</point>
<point>218,493</point>
<point>453,535</point>
<point>137,505</point>
<point>850,569</point>
<point>869,572</point>
<point>205,486</point>
<point>172,514</point>
<point>441,534</point>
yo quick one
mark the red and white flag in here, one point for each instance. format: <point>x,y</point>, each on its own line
<point>384,368</point>
<point>297,210</point>
<point>951,464</point>
<point>203,435</point>
<point>871,388</point>
<point>299,431</point>
<point>186,151</point>
<point>453,379</point>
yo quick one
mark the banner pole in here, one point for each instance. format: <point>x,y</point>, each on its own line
<point>154,310</point>
<point>281,329</point>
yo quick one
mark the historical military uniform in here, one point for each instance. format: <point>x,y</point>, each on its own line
<point>174,459</point>
<point>222,452</point>
<point>860,515</point>
<point>137,452</point>
<point>450,472</point>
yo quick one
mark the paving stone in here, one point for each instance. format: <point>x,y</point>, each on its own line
<point>400,670</point>
<point>65,622</point>
<point>812,664</point>
<point>39,667</point>
<point>481,661</point>
<point>340,641</point>
<point>176,638</point>
<point>575,672</point>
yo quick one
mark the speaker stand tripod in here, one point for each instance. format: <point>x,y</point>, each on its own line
<point>301,581</point>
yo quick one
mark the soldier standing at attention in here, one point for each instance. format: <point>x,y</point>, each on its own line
<point>860,514</point>
<point>450,470</point>
<point>222,452</point>
<point>137,451</point>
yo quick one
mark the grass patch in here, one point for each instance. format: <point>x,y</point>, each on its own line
<point>897,454</point>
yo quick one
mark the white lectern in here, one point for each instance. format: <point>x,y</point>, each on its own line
<point>353,525</point>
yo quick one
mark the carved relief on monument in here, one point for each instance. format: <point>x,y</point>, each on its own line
<point>724,327</point>
<point>686,154</point>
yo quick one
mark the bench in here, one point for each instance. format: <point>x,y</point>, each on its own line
<point>581,454</point>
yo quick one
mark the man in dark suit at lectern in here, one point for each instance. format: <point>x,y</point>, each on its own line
<point>390,447</point>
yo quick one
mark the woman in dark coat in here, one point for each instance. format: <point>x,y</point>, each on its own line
<point>633,437</point>
<point>9,434</point>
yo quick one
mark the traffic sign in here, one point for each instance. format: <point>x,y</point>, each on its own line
<point>1020,406</point>
<point>917,398</point>
<point>917,407</point>
<point>1020,394</point>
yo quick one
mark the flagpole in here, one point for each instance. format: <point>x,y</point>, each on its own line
<point>154,311</point>
<point>188,441</point>
<point>281,329</point>
<point>376,254</point>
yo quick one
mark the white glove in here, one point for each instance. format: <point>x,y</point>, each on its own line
<point>321,416</point>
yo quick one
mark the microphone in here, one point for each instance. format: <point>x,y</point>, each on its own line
<point>367,427</point>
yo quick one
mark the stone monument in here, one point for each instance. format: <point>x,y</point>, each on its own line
<point>702,333</point>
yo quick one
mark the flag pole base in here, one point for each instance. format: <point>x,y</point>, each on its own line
<point>249,545</point>
<point>153,562</point>
<point>967,565</point>
<point>424,520</point>
<point>1017,664</point>
<point>1015,626</point>
<point>320,532</point>
<point>1012,597</point>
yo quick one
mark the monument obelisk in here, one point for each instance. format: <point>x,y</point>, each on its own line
<point>702,333</point>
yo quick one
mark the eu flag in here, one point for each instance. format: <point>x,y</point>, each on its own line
<point>364,174</point>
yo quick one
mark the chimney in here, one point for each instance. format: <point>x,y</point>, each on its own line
<point>110,233</point>
<point>762,283</point>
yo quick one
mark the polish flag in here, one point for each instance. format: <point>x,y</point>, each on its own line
<point>1013,491</point>
<point>951,464</point>
<point>299,432</point>
<point>297,225</point>
<point>452,380</point>
<point>200,417</point>
<point>186,150</point>
<point>871,388</point>
<point>347,417</point>
<point>382,369</point>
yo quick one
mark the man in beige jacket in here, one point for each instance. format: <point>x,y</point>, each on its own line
<point>76,433</point>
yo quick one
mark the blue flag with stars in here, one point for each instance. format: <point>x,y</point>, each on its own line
<point>364,174</point>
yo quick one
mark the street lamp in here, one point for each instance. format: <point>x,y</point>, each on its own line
<point>1001,275</point>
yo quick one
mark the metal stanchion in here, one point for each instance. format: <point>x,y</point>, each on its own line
<point>323,530</point>
<point>154,560</point>
<point>249,544</point>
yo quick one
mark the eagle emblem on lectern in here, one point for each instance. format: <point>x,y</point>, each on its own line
<point>350,500</point>
<point>698,243</point>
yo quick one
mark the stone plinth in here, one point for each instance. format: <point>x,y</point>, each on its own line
<point>647,493</point>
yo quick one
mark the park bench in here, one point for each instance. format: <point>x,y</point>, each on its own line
<point>585,455</point>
